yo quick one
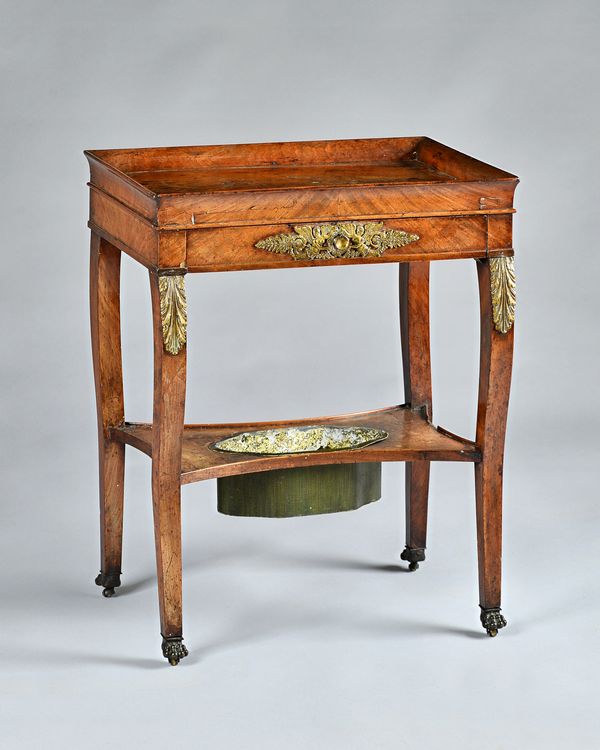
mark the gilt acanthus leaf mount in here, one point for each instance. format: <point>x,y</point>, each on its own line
<point>173,312</point>
<point>504,292</point>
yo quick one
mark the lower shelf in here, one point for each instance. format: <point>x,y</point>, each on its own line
<point>411,438</point>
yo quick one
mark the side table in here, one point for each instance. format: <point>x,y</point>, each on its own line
<point>289,205</point>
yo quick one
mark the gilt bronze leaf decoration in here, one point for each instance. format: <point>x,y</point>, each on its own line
<point>344,240</point>
<point>504,290</point>
<point>173,312</point>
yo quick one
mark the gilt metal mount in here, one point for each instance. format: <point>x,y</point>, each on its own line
<point>413,556</point>
<point>345,240</point>
<point>504,289</point>
<point>492,620</point>
<point>173,310</point>
<point>306,439</point>
<point>174,650</point>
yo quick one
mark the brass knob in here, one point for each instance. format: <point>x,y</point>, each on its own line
<point>341,242</point>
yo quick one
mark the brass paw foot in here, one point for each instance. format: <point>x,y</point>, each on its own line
<point>109,582</point>
<point>413,556</point>
<point>492,620</point>
<point>173,649</point>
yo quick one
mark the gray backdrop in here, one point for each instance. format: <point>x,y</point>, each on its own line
<point>303,633</point>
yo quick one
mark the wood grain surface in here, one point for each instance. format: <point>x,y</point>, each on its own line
<point>203,209</point>
<point>495,369</point>
<point>411,437</point>
<point>166,437</point>
<point>105,277</point>
<point>416,362</point>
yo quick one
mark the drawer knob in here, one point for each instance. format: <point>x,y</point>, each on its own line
<point>341,242</point>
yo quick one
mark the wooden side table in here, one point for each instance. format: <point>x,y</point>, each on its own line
<point>288,205</point>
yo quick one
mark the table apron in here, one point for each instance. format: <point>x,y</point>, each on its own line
<point>234,248</point>
<point>231,248</point>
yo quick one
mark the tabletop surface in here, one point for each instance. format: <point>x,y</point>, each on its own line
<point>186,170</point>
<point>235,179</point>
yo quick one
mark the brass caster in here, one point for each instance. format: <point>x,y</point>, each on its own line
<point>492,620</point>
<point>413,556</point>
<point>174,650</point>
<point>109,583</point>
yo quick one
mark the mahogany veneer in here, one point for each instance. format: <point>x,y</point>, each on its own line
<point>285,205</point>
<point>411,438</point>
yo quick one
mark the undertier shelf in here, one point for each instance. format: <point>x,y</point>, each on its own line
<point>411,437</point>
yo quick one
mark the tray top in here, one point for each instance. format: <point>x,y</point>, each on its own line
<point>235,179</point>
<point>188,187</point>
<point>301,165</point>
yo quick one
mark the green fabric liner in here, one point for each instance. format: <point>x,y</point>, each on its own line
<point>304,491</point>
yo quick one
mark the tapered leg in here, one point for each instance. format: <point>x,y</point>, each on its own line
<point>105,271</point>
<point>168,306</point>
<point>494,387</point>
<point>416,359</point>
